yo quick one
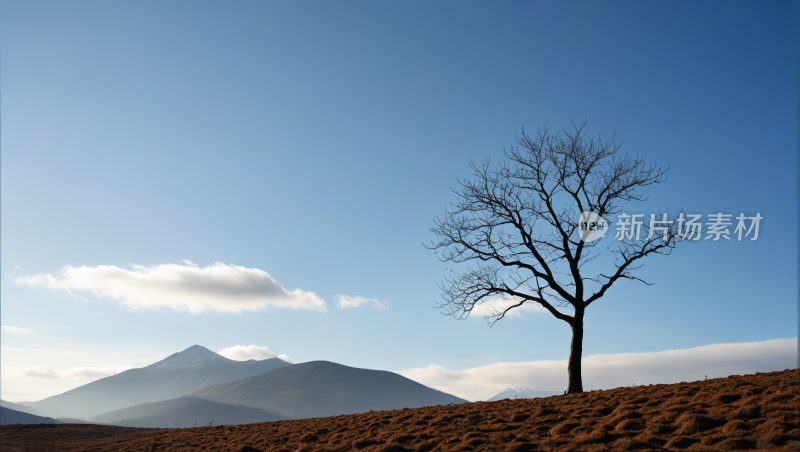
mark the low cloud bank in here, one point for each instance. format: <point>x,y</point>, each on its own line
<point>495,306</point>
<point>76,373</point>
<point>615,370</point>
<point>257,352</point>
<point>347,302</point>
<point>14,330</point>
<point>188,287</point>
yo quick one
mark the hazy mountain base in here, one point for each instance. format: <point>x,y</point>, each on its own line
<point>72,420</point>
<point>186,412</point>
<point>145,409</point>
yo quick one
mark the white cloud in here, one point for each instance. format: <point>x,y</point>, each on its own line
<point>494,306</point>
<point>287,359</point>
<point>91,373</point>
<point>188,287</point>
<point>76,373</point>
<point>14,330</point>
<point>18,267</point>
<point>257,352</point>
<point>346,302</point>
<point>614,370</point>
<point>35,372</point>
<point>245,352</point>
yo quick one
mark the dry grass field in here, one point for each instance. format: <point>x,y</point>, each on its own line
<point>746,412</point>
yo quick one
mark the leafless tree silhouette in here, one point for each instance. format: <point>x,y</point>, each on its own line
<point>517,226</point>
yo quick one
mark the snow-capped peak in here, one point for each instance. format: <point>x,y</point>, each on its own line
<point>190,358</point>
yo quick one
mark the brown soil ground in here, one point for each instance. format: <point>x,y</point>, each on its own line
<point>67,437</point>
<point>760,411</point>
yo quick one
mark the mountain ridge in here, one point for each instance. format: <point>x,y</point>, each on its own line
<point>323,388</point>
<point>175,376</point>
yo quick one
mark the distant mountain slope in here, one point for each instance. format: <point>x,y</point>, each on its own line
<point>322,388</point>
<point>72,420</point>
<point>177,375</point>
<point>10,417</point>
<point>523,392</point>
<point>145,409</point>
<point>17,407</point>
<point>186,412</point>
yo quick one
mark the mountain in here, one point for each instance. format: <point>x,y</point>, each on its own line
<point>322,388</point>
<point>145,409</point>
<point>523,392</point>
<point>179,374</point>
<point>17,407</point>
<point>186,412</point>
<point>11,417</point>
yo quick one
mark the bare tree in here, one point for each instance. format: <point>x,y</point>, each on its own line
<point>520,224</point>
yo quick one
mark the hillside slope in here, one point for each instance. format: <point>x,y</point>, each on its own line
<point>322,388</point>
<point>17,407</point>
<point>726,414</point>
<point>11,417</point>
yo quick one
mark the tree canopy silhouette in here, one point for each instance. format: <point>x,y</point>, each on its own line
<point>529,230</point>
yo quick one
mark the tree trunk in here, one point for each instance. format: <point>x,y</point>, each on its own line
<point>575,352</point>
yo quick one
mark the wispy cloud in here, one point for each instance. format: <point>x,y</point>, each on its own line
<point>347,302</point>
<point>14,330</point>
<point>287,358</point>
<point>188,287</point>
<point>495,306</point>
<point>612,371</point>
<point>76,373</point>
<point>246,352</point>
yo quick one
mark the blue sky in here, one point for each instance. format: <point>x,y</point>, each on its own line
<point>317,141</point>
